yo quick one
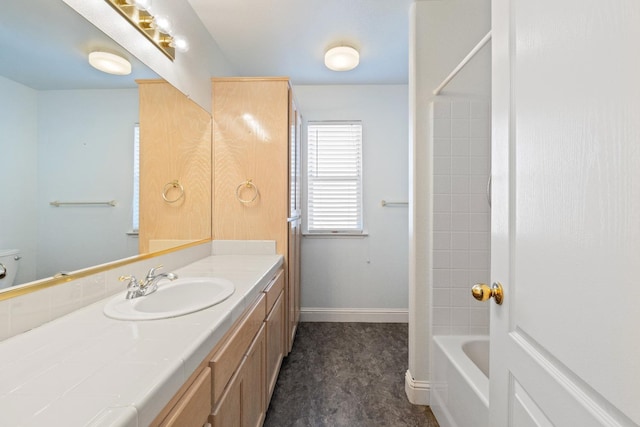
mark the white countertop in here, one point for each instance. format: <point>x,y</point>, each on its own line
<point>85,369</point>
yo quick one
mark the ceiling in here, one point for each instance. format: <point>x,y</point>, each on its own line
<point>289,37</point>
<point>257,37</point>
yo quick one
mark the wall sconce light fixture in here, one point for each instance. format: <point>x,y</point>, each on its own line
<point>158,29</point>
<point>341,58</point>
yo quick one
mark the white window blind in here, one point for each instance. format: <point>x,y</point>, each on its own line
<point>334,180</point>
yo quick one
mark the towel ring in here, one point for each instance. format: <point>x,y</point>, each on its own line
<point>173,184</point>
<point>247,184</point>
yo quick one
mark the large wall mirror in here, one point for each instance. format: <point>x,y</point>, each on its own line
<point>68,135</point>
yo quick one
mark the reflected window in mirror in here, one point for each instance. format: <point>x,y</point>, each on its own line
<point>136,180</point>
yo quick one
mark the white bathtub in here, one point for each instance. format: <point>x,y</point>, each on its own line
<point>460,388</point>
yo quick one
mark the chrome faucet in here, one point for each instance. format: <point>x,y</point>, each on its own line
<point>139,288</point>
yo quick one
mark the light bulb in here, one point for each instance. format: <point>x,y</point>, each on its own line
<point>162,24</point>
<point>180,43</point>
<point>140,4</point>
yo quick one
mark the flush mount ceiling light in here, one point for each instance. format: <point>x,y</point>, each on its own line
<point>110,63</point>
<point>341,58</point>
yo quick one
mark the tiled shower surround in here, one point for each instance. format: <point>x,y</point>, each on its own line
<point>461,214</point>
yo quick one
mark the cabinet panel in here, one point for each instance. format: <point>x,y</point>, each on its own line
<point>250,143</point>
<point>229,410</point>
<point>194,407</point>
<point>225,361</point>
<point>253,388</point>
<point>293,287</point>
<point>275,331</point>
<point>273,290</point>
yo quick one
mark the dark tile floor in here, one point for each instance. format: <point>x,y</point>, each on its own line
<point>346,375</point>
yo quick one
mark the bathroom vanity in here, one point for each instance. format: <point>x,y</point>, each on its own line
<point>218,365</point>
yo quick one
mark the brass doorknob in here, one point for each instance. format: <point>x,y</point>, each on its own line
<point>482,292</point>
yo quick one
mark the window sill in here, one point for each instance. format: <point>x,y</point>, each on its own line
<point>335,235</point>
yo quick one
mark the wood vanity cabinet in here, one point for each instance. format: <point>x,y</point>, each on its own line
<point>233,385</point>
<point>256,144</point>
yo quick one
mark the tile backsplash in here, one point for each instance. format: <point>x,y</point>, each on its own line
<point>461,214</point>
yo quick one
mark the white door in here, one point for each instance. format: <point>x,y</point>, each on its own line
<point>565,344</point>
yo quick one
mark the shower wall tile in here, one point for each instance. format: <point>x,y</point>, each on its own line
<point>459,109</point>
<point>441,110</point>
<point>479,128</point>
<point>442,278</point>
<point>461,217</point>
<point>460,128</point>
<point>441,297</point>
<point>442,128</point>
<point>442,184</point>
<point>479,110</point>
<point>441,241</point>
<point>460,147</point>
<point>442,147</point>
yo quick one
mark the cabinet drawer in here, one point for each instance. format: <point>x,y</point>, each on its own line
<point>194,407</point>
<point>273,289</point>
<point>225,362</point>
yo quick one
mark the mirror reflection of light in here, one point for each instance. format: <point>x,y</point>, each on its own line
<point>255,127</point>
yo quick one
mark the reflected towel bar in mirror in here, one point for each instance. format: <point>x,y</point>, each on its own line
<point>384,203</point>
<point>58,204</point>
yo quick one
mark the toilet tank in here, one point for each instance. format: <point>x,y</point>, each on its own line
<point>9,262</point>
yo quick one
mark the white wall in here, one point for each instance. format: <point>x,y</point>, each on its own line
<point>66,146</point>
<point>362,278</point>
<point>442,33</point>
<point>85,153</point>
<point>18,198</point>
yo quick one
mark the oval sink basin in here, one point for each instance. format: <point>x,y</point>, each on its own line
<point>172,299</point>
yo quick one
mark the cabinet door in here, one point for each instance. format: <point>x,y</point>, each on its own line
<point>194,407</point>
<point>293,282</point>
<point>253,388</point>
<point>243,403</point>
<point>275,343</point>
<point>228,411</point>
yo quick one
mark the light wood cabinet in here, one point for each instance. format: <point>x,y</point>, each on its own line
<point>257,173</point>
<point>175,144</point>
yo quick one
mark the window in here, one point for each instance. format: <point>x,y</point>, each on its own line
<point>334,180</point>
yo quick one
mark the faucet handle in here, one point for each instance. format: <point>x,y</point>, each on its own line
<point>132,280</point>
<point>152,271</point>
<point>132,287</point>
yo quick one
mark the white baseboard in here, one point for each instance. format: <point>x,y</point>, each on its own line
<point>366,315</point>
<point>418,392</point>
